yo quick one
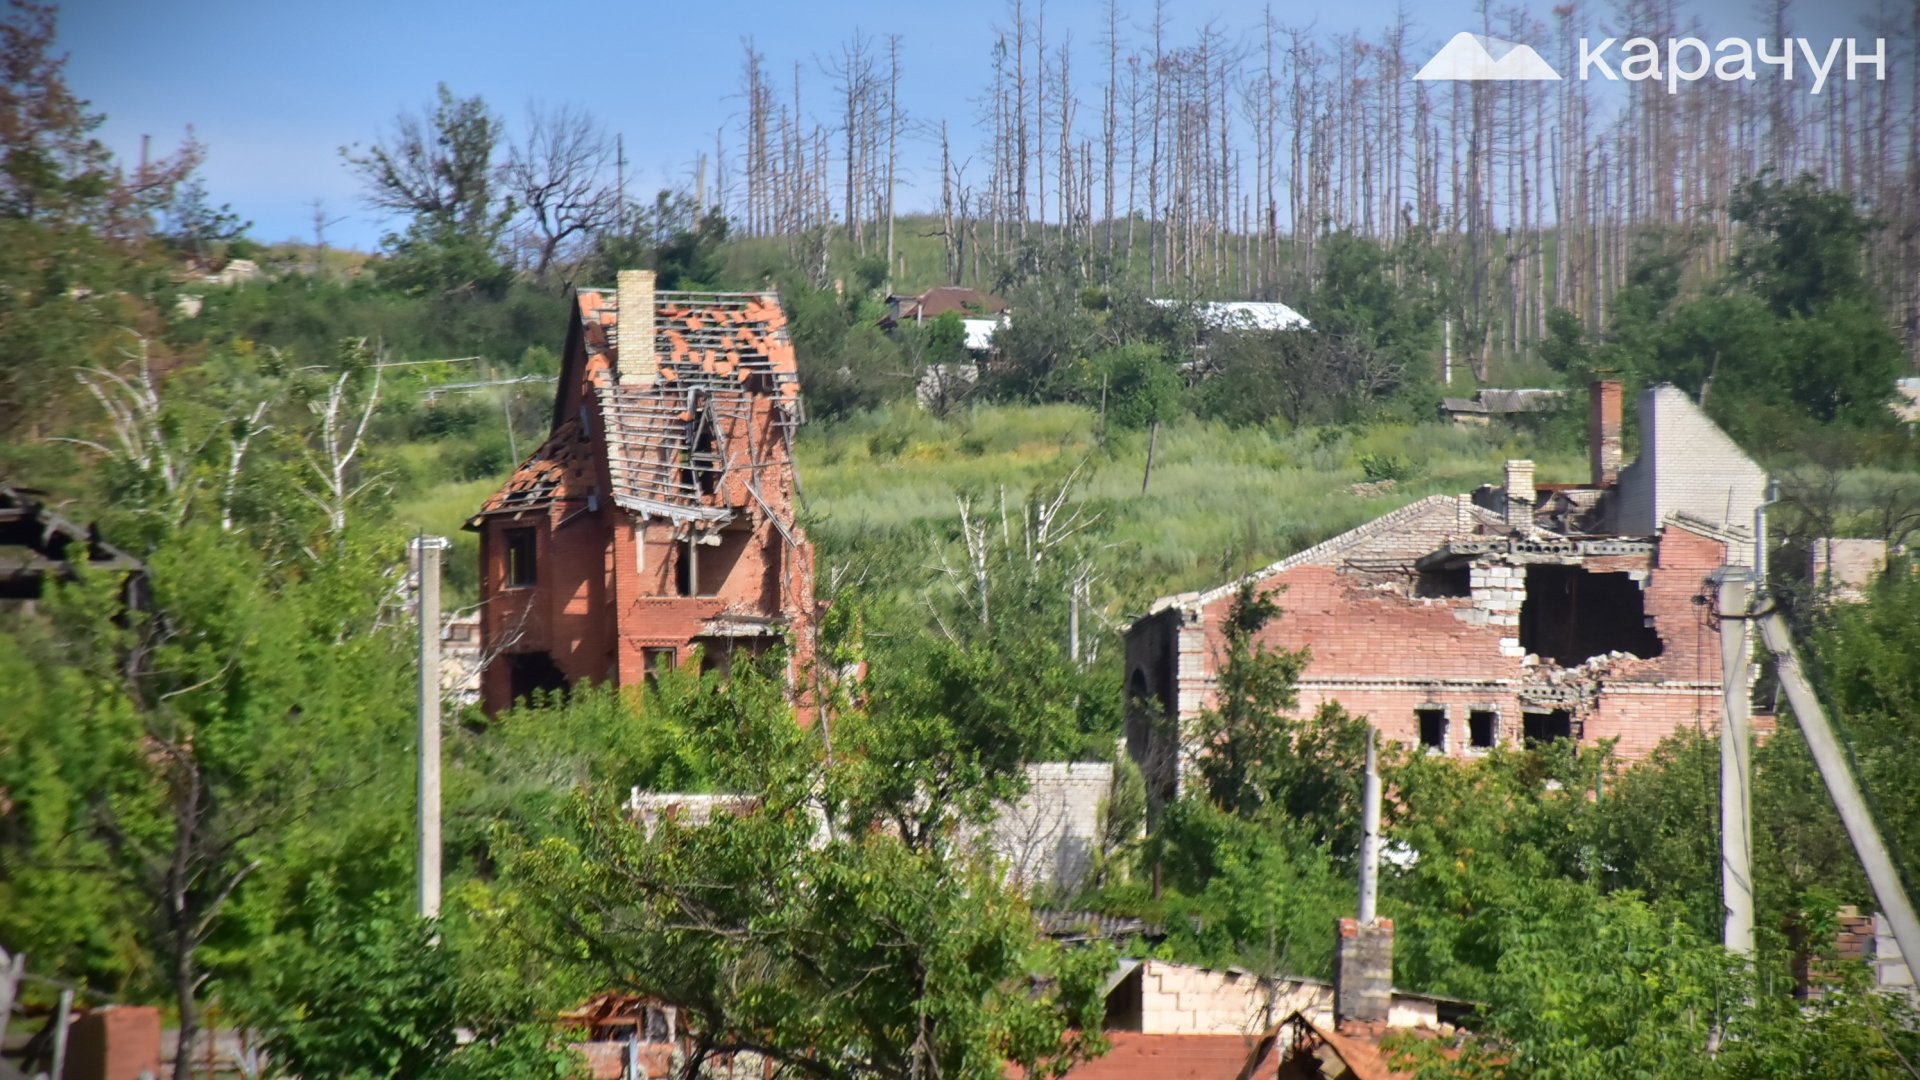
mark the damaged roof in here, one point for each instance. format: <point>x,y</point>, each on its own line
<point>1404,535</point>
<point>560,470</point>
<point>676,424</point>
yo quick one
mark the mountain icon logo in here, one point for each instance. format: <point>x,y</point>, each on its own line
<point>1479,58</point>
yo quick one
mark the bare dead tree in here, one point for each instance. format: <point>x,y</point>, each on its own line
<point>557,171</point>
<point>341,436</point>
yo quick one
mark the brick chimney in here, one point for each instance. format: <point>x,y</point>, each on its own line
<point>1603,431</point>
<point>1519,491</point>
<point>1363,971</point>
<point>633,357</point>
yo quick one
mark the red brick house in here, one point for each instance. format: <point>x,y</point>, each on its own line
<point>1515,612</point>
<point>657,518</point>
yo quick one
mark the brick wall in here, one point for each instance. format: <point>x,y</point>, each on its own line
<point>1383,653</point>
<point>1687,465</point>
<point>1176,999</point>
<point>1049,836</point>
<point>565,613</point>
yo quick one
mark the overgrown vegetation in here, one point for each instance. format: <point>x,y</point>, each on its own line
<point>207,797</point>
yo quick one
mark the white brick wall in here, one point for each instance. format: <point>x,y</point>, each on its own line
<point>1049,837</point>
<point>1687,465</point>
<point>1177,999</point>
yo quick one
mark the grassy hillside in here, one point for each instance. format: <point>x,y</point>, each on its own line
<point>881,488</point>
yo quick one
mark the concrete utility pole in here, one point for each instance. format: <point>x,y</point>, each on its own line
<point>427,554</point>
<point>1370,835</point>
<point>1736,765</point>
<point>1832,762</point>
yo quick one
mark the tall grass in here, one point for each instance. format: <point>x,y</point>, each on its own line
<point>1220,500</point>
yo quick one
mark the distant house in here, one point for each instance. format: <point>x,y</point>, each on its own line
<point>1488,405</point>
<point>937,301</point>
<point>658,515</point>
<point>1516,612</point>
<point>981,313</point>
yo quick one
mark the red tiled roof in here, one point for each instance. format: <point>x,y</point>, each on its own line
<point>1134,1056</point>
<point>671,438</point>
<point>562,468</point>
<point>956,298</point>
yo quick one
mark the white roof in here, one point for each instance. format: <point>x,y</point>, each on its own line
<point>1247,314</point>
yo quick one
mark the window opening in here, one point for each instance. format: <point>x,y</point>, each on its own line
<point>686,567</point>
<point>1540,727</point>
<point>657,661</point>
<point>1454,581</point>
<point>1433,728</point>
<point>1483,728</point>
<point>1572,615</point>
<point>522,546</point>
<point>533,673</point>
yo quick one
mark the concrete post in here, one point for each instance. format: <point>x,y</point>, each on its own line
<point>1736,766</point>
<point>1832,762</point>
<point>427,554</point>
<point>11,969</point>
<point>1363,947</point>
<point>1370,834</point>
<point>63,1025</point>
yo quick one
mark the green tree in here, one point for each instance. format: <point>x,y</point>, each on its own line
<point>1134,384</point>
<point>369,990</point>
<point>437,170</point>
<point>1258,754</point>
<point>786,930</point>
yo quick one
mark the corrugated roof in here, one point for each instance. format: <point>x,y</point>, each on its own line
<point>1246,314</point>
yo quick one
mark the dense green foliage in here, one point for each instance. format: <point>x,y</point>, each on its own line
<point>206,795</point>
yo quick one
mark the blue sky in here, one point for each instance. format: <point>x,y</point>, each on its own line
<point>275,88</point>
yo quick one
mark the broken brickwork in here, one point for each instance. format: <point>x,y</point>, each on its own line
<point>657,519</point>
<point>1513,613</point>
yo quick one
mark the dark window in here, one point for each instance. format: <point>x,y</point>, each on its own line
<point>657,661</point>
<point>533,673</point>
<point>1547,726</point>
<point>1571,616</point>
<point>1455,581</point>
<point>1433,728</point>
<point>1483,728</point>
<point>521,546</point>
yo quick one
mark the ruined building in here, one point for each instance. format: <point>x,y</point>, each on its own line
<point>1519,611</point>
<point>658,516</point>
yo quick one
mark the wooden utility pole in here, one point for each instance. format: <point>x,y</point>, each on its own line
<point>427,554</point>
<point>1153,436</point>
